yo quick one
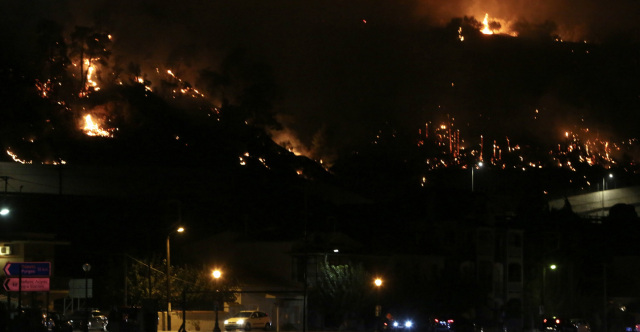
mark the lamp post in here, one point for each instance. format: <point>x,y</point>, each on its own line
<point>604,288</point>
<point>86,268</point>
<point>473,167</point>
<point>378,310</point>
<point>216,274</point>
<point>603,185</point>
<point>544,277</point>
<point>168,283</point>
<point>4,210</point>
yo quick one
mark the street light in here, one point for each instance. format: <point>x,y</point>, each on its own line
<point>86,268</point>
<point>378,283</point>
<point>178,230</point>
<point>216,274</point>
<point>603,185</point>
<point>472,169</point>
<point>5,210</point>
<point>544,276</point>
<point>604,291</point>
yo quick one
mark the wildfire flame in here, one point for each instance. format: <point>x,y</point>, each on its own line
<point>92,128</point>
<point>17,159</point>
<point>90,71</point>
<point>485,23</point>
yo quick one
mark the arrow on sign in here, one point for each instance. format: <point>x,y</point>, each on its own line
<point>28,284</point>
<point>28,269</point>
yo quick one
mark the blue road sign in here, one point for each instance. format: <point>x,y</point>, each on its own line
<point>27,269</point>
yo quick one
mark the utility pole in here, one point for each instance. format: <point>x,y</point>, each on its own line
<point>6,183</point>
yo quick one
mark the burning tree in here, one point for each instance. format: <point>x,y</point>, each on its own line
<point>91,47</point>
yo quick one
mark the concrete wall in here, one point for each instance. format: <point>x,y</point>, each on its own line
<point>591,204</point>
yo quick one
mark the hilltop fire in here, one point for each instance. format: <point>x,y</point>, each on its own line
<point>493,25</point>
<point>105,88</point>
<point>486,30</point>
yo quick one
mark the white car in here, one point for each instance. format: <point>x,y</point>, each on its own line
<point>246,320</point>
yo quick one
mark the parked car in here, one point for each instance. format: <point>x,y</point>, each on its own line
<point>581,325</point>
<point>57,322</point>
<point>442,325</point>
<point>97,320</point>
<point>558,324</point>
<point>396,323</point>
<point>127,319</point>
<point>36,319</point>
<point>246,320</point>
<point>633,328</point>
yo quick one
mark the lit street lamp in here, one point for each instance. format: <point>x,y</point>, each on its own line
<point>4,211</point>
<point>86,268</point>
<point>544,277</point>
<point>378,283</point>
<point>216,274</point>
<point>604,291</point>
<point>603,185</point>
<point>179,230</point>
<point>473,167</point>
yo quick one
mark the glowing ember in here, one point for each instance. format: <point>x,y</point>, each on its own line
<point>92,128</point>
<point>186,89</point>
<point>485,23</point>
<point>44,88</point>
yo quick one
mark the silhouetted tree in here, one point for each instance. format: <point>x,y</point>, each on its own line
<point>147,280</point>
<point>246,85</point>
<point>541,32</point>
<point>341,292</point>
<point>52,52</point>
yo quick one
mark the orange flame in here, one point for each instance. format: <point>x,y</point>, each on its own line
<point>485,22</point>
<point>92,128</point>
<point>91,68</point>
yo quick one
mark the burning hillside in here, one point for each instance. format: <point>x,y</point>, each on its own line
<point>510,83</point>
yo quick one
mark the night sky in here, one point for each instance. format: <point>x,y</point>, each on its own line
<point>345,69</point>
